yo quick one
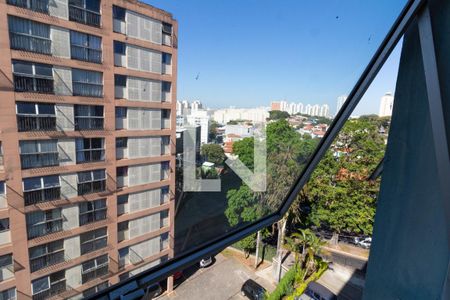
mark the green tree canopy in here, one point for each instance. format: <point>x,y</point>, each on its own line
<point>340,196</point>
<point>213,153</point>
<point>278,114</point>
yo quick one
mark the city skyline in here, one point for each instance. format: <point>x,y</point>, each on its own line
<point>206,72</point>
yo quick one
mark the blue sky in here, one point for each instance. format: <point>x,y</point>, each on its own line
<point>250,52</point>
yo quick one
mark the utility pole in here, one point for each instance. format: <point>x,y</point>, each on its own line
<point>258,238</point>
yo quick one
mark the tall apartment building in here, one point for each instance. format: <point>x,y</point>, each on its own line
<point>87,132</point>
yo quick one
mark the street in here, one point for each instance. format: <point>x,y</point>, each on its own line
<point>221,281</point>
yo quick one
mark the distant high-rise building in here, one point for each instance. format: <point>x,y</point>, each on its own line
<point>386,105</point>
<point>340,102</point>
<point>300,108</point>
<point>196,105</point>
<point>275,105</point>
<point>200,117</point>
<point>308,109</point>
<point>324,110</point>
<point>315,111</point>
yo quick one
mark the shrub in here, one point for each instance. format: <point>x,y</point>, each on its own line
<point>285,286</point>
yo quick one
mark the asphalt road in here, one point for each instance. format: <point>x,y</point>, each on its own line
<point>221,281</point>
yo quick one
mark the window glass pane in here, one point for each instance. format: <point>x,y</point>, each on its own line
<point>22,67</point>
<point>40,285</point>
<point>97,111</point>
<point>99,174</point>
<point>119,48</point>
<point>51,181</point>
<point>119,13</point>
<point>5,260</point>
<point>78,38</point>
<point>18,25</point>
<point>120,80</point>
<point>32,183</point>
<point>2,187</point>
<point>43,70</point>
<point>93,5</point>
<point>84,176</point>
<point>4,224</point>
<point>46,109</point>
<point>26,108</point>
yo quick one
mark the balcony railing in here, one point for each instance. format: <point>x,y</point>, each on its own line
<point>86,54</point>
<point>35,5</point>
<point>44,195</point>
<point>36,123</point>
<point>91,187</point>
<point>87,89</point>
<point>84,16</point>
<point>96,273</point>
<point>47,260</point>
<point>35,231</point>
<point>25,42</point>
<point>55,289</point>
<point>39,160</point>
<point>33,84</point>
<point>84,156</point>
<point>88,123</point>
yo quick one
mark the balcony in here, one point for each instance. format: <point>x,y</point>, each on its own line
<point>35,5</point>
<point>47,260</point>
<point>88,123</point>
<point>39,160</point>
<point>87,89</point>
<point>55,289</point>
<point>91,187</point>
<point>29,43</point>
<point>84,16</point>
<point>36,123</point>
<point>33,84</point>
<point>86,54</point>
<point>40,196</point>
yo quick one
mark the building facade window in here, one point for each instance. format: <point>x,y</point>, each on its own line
<point>85,47</point>
<point>88,117</point>
<point>48,286</point>
<point>92,211</point>
<point>91,182</point>
<point>94,268</point>
<point>119,13</point>
<point>9,294</point>
<point>4,225</point>
<point>85,12</point>
<point>35,116</point>
<point>40,223</point>
<point>6,267</point>
<point>93,240</point>
<point>35,5</point>
<point>41,189</point>
<point>32,77</point>
<point>30,36</point>
<point>46,255</point>
<point>90,150</point>
<point>37,154</point>
<point>87,83</point>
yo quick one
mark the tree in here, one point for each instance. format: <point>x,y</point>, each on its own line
<point>244,150</point>
<point>213,153</point>
<point>212,134</point>
<point>340,196</point>
<point>243,208</point>
<point>278,114</point>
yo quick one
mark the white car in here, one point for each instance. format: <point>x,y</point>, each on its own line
<point>206,262</point>
<point>363,242</point>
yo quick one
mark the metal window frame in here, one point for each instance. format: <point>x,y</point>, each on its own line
<point>164,270</point>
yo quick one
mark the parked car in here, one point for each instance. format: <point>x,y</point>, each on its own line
<point>152,291</point>
<point>316,291</point>
<point>252,290</point>
<point>206,262</point>
<point>363,242</point>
